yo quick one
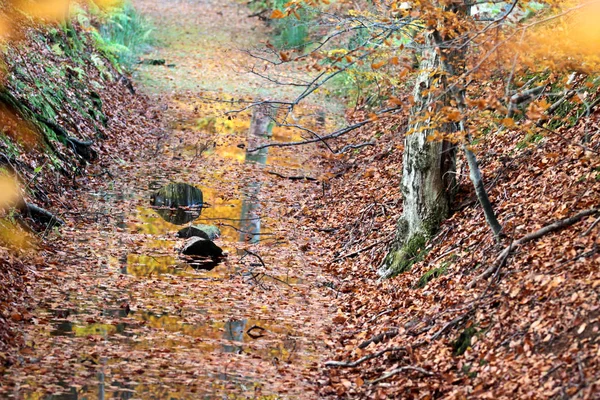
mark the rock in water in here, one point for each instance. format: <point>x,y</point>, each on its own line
<point>209,232</point>
<point>192,231</point>
<point>200,247</point>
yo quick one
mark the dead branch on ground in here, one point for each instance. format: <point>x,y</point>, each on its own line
<point>352,364</point>
<point>399,370</point>
<point>555,226</point>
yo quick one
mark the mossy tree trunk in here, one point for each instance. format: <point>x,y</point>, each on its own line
<point>427,169</point>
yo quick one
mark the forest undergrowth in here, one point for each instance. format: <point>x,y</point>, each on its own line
<point>471,317</point>
<point>528,329</point>
<point>65,107</point>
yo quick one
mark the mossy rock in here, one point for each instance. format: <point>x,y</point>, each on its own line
<point>200,247</point>
<point>209,232</point>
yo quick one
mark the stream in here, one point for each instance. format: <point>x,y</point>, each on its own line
<point>122,313</point>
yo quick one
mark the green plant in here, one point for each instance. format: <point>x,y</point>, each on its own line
<point>466,369</point>
<point>122,35</point>
<point>529,139</point>
<point>463,342</point>
<point>431,275</point>
<point>291,33</point>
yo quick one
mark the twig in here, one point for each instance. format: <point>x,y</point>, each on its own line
<point>292,178</point>
<point>399,370</point>
<point>354,146</point>
<point>379,315</point>
<point>379,338</point>
<point>332,135</point>
<point>563,223</point>
<point>591,227</point>
<point>551,370</point>
<point>450,324</point>
<point>354,253</point>
<point>259,329</point>
<point>248,252</point>
<point>352,364</point>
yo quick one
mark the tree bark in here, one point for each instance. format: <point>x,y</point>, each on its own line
<point>427,168</point>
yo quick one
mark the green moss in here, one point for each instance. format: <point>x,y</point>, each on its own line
<point>463,342</point>
<point>466,369</point>
<point>431,275</point>
<point>403,259</point>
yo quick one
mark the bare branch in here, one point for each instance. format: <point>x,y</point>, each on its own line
<point>352,364</point>
<point>400,370</point>
<point>555,226</point>
<point>333,135</point>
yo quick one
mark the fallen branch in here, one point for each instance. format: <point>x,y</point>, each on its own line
<point>390,310</point>
<point>352,364</point>
<point>523,98</point>
<point>81,148</point>
<point>591,227</point>
<point>555,226</point>
<point>379,338</point>
<point>354,146</point>
<point>292,178</point>
<point>357,252</point>
<point>452,323</point>
<point>41,215</point>
<point>399,370</point>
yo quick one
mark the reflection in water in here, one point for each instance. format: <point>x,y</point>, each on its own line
<point>67,328</point>
<point>261,130</point>
<point>178,203</point>
<point>144,265</point>
<point>234,331</point>
<point>239,217</point>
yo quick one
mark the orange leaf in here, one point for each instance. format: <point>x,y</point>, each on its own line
<point>378,65</point>
<point>508,122</point>
<point>277,14</point>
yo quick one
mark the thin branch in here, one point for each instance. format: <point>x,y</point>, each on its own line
<point>355,146</point>
<point>591,227</point>
<point>352,364</point>
<point>555,226</point>
<point>333,135</point>
<point>400,370</point>
<point>357,252</point>
<point>292,178</point>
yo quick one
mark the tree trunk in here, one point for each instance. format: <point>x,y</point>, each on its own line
<point>427,169</point>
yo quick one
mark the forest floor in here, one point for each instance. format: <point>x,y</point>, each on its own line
<point>117,312</point>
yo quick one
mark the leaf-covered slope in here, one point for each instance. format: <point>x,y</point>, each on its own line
<point>530,330</point>
<point>64,107</point>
